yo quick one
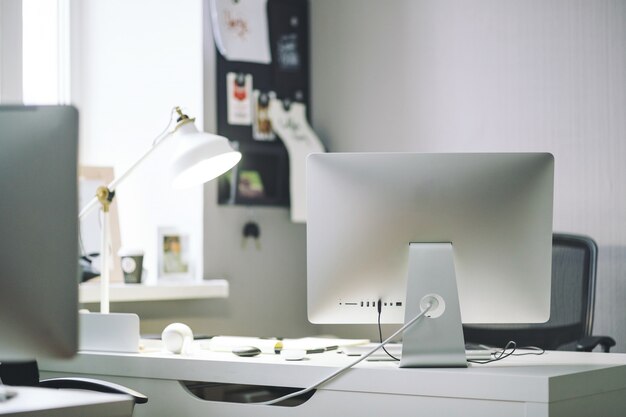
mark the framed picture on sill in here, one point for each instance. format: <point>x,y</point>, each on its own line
<point>174,260</point>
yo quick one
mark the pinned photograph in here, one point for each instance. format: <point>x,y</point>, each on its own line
<point>251,184</point>
<point>262,125</point>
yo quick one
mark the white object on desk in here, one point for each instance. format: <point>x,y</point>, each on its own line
<point>228,343</point>
<point>46,402</point>
<point>293,354</point>
<point>112,332</point>
<point>177,338</point>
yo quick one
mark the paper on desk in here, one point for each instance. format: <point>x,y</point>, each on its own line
<point>228,343</point>
<point>150,345</point>
<point>311,343</point>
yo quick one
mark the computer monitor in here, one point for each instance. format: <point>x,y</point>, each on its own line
<point>382,224</point>
<point>38,231</point>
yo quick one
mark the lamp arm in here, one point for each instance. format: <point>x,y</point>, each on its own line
<point>95,202</point>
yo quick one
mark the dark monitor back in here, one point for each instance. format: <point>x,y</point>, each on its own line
<point>38,231</point>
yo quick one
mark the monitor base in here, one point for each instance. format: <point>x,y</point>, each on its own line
<point>437,339</point>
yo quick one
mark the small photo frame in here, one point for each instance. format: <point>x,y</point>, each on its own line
<point>174,250</point>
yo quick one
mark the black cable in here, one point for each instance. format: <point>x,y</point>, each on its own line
<point>538,351</point>
<point>503,354</point>
<point>498,356</point>
<point>379,306</point>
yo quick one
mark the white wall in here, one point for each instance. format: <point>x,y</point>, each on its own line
<point>490,75</point>
<point>132,61</point>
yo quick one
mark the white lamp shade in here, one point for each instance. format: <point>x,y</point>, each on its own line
<point>201,157</point>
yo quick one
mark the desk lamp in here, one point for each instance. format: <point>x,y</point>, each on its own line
<point>200,158</point>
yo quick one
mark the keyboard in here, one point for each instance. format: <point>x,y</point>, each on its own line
<point>472,351</point>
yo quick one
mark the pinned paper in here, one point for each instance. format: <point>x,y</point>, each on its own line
<point>300,140</point>
<point>240,30</point>
<point>239,98</point>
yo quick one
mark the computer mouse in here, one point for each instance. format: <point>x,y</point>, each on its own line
<point>246,351</point>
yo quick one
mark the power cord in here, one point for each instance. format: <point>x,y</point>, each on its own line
<point>379,306</point>
<point>504,353</point>
<point>345,368</point>
<point>497,356</point>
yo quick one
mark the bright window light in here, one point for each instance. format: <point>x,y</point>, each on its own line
<point>45,29</point>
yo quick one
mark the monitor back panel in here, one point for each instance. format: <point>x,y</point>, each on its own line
<point>38,231</point>
<point>365,208</point>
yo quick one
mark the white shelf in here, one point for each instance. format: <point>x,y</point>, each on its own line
<point>215,288</point>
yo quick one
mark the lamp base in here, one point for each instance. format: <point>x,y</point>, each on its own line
<point>112,332</point>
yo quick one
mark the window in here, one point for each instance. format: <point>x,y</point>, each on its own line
<point>45,60</point>
<point>43,37</point>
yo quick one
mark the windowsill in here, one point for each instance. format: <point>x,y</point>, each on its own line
<point>120,292</point>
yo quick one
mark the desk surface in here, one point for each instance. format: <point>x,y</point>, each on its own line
<point>36,402</point>
<point>548,380</point>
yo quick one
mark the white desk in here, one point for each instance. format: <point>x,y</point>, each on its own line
<point>47,402</point>
<point>555,384</point>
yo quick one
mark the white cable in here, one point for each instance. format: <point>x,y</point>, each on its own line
<point>167,128</point>
<point>345,368</point>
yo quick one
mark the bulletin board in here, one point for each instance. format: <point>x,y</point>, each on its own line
<point>262,176</point>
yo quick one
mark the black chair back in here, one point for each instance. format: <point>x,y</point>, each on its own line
<point>20,373</point>
<point>574,260</point>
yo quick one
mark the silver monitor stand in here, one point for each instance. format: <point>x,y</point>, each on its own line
<point>436,340</point>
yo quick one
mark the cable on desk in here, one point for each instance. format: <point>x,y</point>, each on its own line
<point>503,354</point>
<point>379,306</point>
<point>345,368</point>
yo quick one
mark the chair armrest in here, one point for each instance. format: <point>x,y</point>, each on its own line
<point>93,385</point>
<point>589,343</point>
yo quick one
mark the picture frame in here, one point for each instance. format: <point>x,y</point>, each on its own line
<point>174,258</point>
<point>89,179</point>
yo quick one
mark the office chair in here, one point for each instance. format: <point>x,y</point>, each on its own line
<point>574,263</point>
<point>27,374</point>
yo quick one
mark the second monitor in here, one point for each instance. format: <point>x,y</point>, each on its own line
<point>483,219</point>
